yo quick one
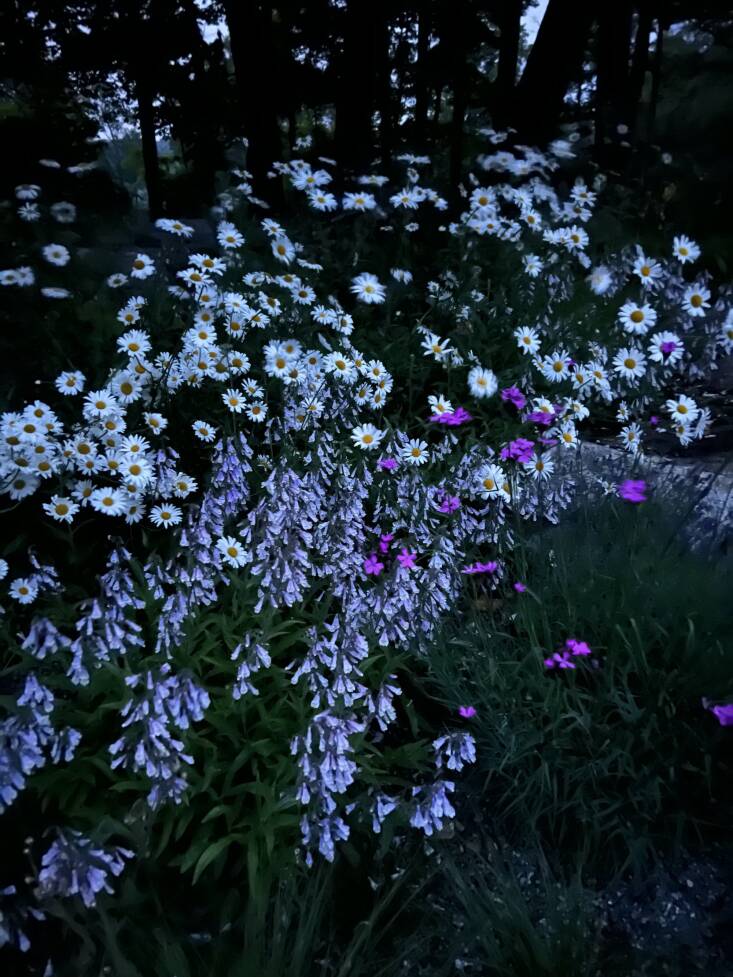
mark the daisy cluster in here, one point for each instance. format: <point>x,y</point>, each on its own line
<point>249,436</point>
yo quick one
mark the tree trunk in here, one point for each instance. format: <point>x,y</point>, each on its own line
<point>146,119</point>
<point>612,78</point>
<point>421,72</point>
<point>457,52</point>
<point>555,60</point>
<point>383,83</point>
<point>250,32</point>
<point>639,63</point>
<point>656,77</point>
<point>510,25</point>
<point>355,93</point>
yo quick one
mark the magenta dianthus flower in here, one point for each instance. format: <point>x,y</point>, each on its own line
<point>490,567</point>
<point>514,396</point>
<point>519,587</point>
<point>724,714</point>
<point>449,503</point>
<point>559,660</point>
<point>406,558</point>
<point>632,490</point>
<point>384,540</point>
<point>387,464</point>
<point>372,565</point>
<point>466,712</point>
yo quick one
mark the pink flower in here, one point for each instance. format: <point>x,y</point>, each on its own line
<point>453,418</point>
<point>372,565</point>
<point>519,587</point>
<point>541,417</point>
<point>491,567</point>
<point>559,660</point>
<point>724,714</point>
<point>406,558</point>
<point>388,464</point>
<point>514,396</point>
<point>384,540</point>
<point>466,712</point>
<point>654,420</point>
<point>449,503</point>
<point>632,490</point>
<point>520,449</point>
<point>577,647</point>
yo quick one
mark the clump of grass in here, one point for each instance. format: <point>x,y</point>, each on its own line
<point>617,758</point>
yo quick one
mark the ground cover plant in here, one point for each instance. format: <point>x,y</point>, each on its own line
<point>328,644</point>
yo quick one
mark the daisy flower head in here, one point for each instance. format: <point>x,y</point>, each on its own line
<point>111,502</point>
<point>367,437</point>
<point>165,515</point>
<point>436,347</point>
<point>228,236</point>
<point>70,383</point>
<point>682,409</point>
<point>666,348</point>
<point>56,254</point>
<point>556,366</point>
<point>648,270</point>
<point>283,249</point>
<point>359,201</point>
<point>415,452</point>
<point>532,265</point>
<point>257,412</point>
<point>233,400</point>
<point>61,509</point>
<point>637,318</point>
<point>367,288</point>
<point>539,467</point>
<point>340,366</point>
<point>439,404</point>
<point>696,300</point>
<point>29,212</point>
<point>600,280</point>
<point>491,482</point>
<point>142,267</point>
<point>155,422</point>
<point>630,438</point>
<point>204,431</point>
<point>24,590</point>
<point>528,339</point>
<point>321,200</point>
<point>576,238</point>
<point>630,363</point>
<point>175,227</point>
<point>232,551</point>
<point>685,250</point>
<point>482,382</point>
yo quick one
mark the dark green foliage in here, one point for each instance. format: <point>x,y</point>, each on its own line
<point>618,759</point>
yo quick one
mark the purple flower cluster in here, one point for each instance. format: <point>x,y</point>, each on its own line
<point>564,658</point>
<point>71,866</point>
